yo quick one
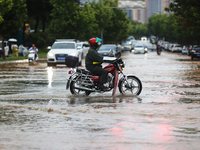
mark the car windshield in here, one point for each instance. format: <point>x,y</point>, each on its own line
<point>126,44</point>
<point>103,48</point>
<point>79,44</point>
<point>138,46</point>
<point>63,46</point>
<point>177,46</point>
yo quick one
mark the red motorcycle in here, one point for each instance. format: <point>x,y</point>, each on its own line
<point>83,82</point>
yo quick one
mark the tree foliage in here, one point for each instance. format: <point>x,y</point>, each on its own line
<point>5,6</point>
<point>39,11</point>
<point>69,20</point>
<point>138,29</point>
<point>13,19</point>
<point>187,13</point>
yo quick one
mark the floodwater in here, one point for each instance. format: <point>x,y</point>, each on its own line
<point>37,112</point>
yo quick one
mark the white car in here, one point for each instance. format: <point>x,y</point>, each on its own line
<point>62,48</point>
<point>84,47</point>
<point>176,48</point>
<point>139,48</point>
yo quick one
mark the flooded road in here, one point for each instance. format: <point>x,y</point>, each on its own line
<point>37,112</point>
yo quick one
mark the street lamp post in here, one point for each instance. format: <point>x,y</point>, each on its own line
<point>102,27</point>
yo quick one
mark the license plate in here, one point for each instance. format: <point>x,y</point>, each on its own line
<point>198,55</point>
<point>61,58</point>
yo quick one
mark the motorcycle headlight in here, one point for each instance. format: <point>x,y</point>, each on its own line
<point>50,54</point>
<point>123,64</point>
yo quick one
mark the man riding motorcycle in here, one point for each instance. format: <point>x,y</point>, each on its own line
<point>94,60</point>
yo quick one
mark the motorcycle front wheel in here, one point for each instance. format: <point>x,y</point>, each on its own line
<point>131,86</point>
<point>75,90</point>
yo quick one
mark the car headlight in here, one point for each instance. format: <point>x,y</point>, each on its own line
<point>129,47</point>
<point>50,54</point>
<point>73,54</point>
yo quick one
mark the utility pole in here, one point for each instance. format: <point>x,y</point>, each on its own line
<point>102,27</point>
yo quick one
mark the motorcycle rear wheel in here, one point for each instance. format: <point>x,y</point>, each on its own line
<point>76,91</point>
<point>135,87</point>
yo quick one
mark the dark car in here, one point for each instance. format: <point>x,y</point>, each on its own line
<point>110,50</point>
<point>190,49</point>
<point>195,52</point>
<point>126,47</point>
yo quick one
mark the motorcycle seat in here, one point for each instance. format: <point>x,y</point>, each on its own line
<point>84,71</point>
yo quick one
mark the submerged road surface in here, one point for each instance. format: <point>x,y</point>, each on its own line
<point>37,112</point>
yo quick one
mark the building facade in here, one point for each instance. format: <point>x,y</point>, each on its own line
<point>152,7</point>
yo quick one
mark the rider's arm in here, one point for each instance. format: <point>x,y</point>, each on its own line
<point>96,57</point>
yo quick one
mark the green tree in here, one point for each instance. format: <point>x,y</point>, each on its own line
<point>187,14</point>
<point>87,25</point>
<point>39,11</point>
<point>117,28</point>
<point>13,19</point>
<point>65,18</point>
<point>5,6</point>
<point>139,29</point>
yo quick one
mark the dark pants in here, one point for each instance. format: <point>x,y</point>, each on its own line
<point>102,73</point>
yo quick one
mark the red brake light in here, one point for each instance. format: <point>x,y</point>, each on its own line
<point>70,72</point>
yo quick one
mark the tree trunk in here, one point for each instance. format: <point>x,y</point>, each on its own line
<point>36,25</point>
<point>3,50</point>
<point>43,25</point>
<point>23,34</point>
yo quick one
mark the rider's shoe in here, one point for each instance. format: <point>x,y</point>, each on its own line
<point>102,87</point>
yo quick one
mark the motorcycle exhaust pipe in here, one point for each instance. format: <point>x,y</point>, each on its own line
<point>84,88</point>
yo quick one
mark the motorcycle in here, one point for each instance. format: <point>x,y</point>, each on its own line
<point>159,50</point>
<point>31,57</point>
<point>83,82</point>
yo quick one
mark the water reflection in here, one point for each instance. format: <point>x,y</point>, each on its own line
<point>50,76</point>
<point>104,99</point>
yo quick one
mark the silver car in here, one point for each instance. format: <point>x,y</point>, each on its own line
<point>139,48</point>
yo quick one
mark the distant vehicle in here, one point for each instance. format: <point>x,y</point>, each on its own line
<point>139,48</point>
<point>133,42</point>
<point>6,49</point>
<point>126,47</point>
<point>190,49</point>
<point>150,46</point>
<point>185,50</point>
<point>32,57</point>
<point>176,48</point>
<point>60,49</point>
<point>143,38</point>
<point>110,50</point>
<point>84,47</point>
<point>130,38</point>
<point>195,53</point>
